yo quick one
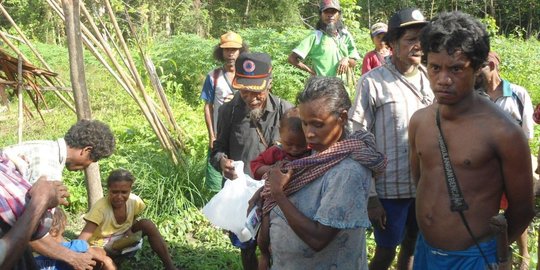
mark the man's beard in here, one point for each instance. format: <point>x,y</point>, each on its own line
<point>332,29</point>
<point>255,114</point>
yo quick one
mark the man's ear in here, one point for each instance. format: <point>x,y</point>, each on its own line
<point>343,116</point>
<point>87,149</point>
<point>492,66</point>
<point>269,85</point>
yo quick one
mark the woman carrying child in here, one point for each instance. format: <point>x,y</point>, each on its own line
<point>320,216</point>
<point>114,218</point>
<point>293,146</point>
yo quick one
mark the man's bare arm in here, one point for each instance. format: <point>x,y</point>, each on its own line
<point>43,195</point>
<point>13,244</point>
<point>295,61</point>
<point>517,177</point>
<point>208,118</point>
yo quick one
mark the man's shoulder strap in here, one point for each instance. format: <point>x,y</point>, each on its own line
<point>519,103</point>
<point>215,76</point>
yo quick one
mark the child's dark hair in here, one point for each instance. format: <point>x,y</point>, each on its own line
<point>59,221</point>
<point>119,175</point>
<point>291,121</point>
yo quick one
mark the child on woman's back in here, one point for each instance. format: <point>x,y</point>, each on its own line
<point>293,146</point>
<point>112,222</point>
<point>58,227</point>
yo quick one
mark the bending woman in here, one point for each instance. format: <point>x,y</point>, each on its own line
<point>320,212</point>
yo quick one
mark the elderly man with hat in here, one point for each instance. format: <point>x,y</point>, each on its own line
<point>376,57</point>
<point>217,90</point>
<point>330,47</point>
<point>248,125</point>
<point>386,99</point>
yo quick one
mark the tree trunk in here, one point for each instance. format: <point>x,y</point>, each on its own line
<point>168,30</point>
<point>246,13</point>
<point>80,92</point>
<point>199,29</point>
<point>492,9</point>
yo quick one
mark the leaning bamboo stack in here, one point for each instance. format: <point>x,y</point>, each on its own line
<point>118,61</point>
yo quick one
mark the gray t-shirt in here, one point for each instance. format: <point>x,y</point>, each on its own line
<point>337,199</point>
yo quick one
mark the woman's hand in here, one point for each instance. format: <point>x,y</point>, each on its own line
<point>278,180</point>
<point>255,200</point>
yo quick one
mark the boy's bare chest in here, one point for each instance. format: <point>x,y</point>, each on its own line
<point>467,146</point>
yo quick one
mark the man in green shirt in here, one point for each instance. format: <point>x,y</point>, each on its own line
<point>330,48</point>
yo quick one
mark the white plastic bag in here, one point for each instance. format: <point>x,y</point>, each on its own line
<point>228,208</point>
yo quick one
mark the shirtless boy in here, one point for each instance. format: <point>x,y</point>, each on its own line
<point>488,152</point>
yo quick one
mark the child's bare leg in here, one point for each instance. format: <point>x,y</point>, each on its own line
<point>100,255</point>
<point>156,241</point>
<point>263,241</point>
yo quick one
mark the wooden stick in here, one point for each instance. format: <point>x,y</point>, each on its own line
<point>20,96</point>
<point>128,81</point>
<point>154,79</point>
<point>138,80</point>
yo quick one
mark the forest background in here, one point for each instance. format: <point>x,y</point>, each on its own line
<point>179,37</point>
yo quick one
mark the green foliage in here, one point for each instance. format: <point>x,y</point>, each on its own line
<point>520,61</point>
<point>351,13</point>
<point>238,14</point>
<point>491,25</point>
<point>183,62</point>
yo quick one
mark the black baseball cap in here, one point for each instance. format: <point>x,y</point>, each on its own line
<point>253,72</point>
<point>406,17</point>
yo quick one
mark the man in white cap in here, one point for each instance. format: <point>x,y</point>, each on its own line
<point>330,47</point>
<point>386,99</point>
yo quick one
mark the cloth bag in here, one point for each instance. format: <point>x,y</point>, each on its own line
<point>228,208</point>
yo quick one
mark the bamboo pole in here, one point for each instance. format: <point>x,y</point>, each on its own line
<point>91,42</point>
<point>154,79</point>
<point>161,130</point>
<point>147,107</point>
<point>127,82</point>
<point>20,96</point>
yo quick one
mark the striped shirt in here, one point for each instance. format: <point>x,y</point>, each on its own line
<point>13,190</point>
<point>384,104</point>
